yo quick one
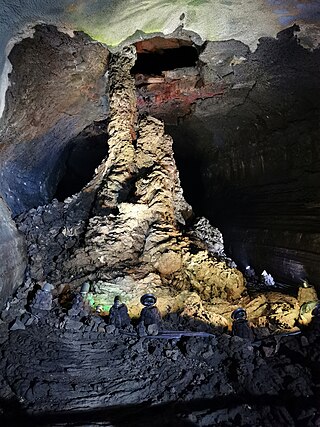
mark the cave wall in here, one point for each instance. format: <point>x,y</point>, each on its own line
<point>58,87</point>
<point>245,124</point>
<point>256,153</point>
<point>246,135</point>
<point>13,254</point>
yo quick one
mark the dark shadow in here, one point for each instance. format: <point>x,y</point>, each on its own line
<point>153,63</point>
<point>84,154</point>
<point>248,163</point>
<point>12,412</point>
<point>164,415</point>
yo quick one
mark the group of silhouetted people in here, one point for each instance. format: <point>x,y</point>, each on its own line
<point>149,322</point>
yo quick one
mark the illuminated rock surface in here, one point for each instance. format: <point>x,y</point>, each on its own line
<point>128,221</point>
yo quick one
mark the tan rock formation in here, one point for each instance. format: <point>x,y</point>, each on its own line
<point>273,309</point>
<point>140,206</point>
<point>307,298</point>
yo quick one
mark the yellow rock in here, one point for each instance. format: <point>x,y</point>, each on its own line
<point>168,263</point>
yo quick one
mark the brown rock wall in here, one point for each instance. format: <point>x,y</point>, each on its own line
<point>57,89</point>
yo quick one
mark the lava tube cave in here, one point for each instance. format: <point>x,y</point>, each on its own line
<point>159,197</point>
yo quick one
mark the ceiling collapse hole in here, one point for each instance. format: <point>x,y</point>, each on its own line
<point>83,155</point>
<point>160,54</point>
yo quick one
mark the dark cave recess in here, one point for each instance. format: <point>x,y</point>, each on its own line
<point>253,155</point>
<point>83,155</point>
<point>168,59</point>
<point>162,54</point>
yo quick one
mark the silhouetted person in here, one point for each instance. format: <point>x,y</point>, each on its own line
<point>150,317</point>
<point>80,305</point>
<point>240,325</point>
<point>118,314</point>
<point>42,302</point>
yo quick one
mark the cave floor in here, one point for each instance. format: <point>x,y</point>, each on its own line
<point>60,375</point>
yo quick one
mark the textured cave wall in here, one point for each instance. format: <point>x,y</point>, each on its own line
<point>246,133</point>
<point>57,89</point>
<point>13,254</point>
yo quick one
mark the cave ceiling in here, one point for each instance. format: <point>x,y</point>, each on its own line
<point>113,21</point>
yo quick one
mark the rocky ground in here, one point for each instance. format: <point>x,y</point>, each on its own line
<point>53,373</point>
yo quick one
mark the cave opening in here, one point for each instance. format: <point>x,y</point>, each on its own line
<point>159,54</point>
<point>83,155</point>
